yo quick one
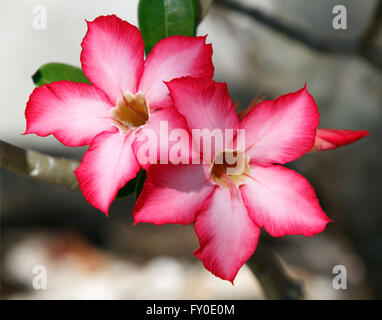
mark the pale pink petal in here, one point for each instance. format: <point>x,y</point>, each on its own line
<point>281,130</point>
<point>172,194</point>
<point>283,202</point>
<point>327,139</point>
<point>227,235</point>
<point>164,124</point>
<point>206,105</point>
<point>112,56</point>
<point>105,168</point>
<point>174,57</point>
<point>73,112</point>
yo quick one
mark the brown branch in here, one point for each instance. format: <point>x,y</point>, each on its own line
<point>364,48</point>
<point>272,276</point>
<point>38,166</point>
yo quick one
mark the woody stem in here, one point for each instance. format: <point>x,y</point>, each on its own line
<point>38,166</point>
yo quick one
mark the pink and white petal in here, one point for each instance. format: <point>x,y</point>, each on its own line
<point>328,139</point>
<point>174,57</point>
<point>206,105</point>
<point>227,235</point>
<point>281,130</point>
<point>105,168</point>
<point>172,194</point>
<point>158,130</point>
<point>73,112</point>
<point>283,202</point>
<point>112,56</point>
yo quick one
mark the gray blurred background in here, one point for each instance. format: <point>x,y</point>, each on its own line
<point>90,256</point>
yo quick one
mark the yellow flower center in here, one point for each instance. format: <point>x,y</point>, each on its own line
<point>230,168</point>
<point>130,112</point>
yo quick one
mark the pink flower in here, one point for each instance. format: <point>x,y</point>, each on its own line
<point>127,94</point>
<point>229,209</point>
<point>328,139</point>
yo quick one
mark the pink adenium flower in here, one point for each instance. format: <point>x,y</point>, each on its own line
<point>229,209</point>
<point>126,95</point>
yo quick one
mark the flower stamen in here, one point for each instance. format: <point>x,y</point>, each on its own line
<point>130,112</point>
<point>230,169</point>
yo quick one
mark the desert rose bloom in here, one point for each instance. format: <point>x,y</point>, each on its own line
<point>229,209</point>
<point>328,139</point>
<point>126,95</point>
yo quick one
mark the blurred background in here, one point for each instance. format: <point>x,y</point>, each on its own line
<point>89,256</point>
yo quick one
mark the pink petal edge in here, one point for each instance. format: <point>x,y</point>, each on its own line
<point>174,57</point>
<point>281,130</point>
<point>112,56</point>
<point>105,168</point>
<point>73,112</point>
<point>283,202</point>
<point>227,235</point>
<point>172,194</point>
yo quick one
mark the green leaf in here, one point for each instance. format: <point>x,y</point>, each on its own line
<point>135,184</point>
<point>127,190</point>
<point>140,181</point>
<point>195,5</point>
<point>159,19</point>
<point>51,72</point>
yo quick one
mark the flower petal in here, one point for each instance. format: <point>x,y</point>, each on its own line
<point>172,194</point>
<point>112,56</point>
<point>227,235</point>
<point>105,168</point>
<point>328,139</point>
<point>283,202</point>
<point>204,103</point>
<point>163,124</point>
<point>73,112</point>
<point>174,57</point>
<point>281,130</point>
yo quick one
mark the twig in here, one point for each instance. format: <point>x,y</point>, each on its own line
<point>364,48</point>
<point>38,166</point>
<point>273,277</point>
